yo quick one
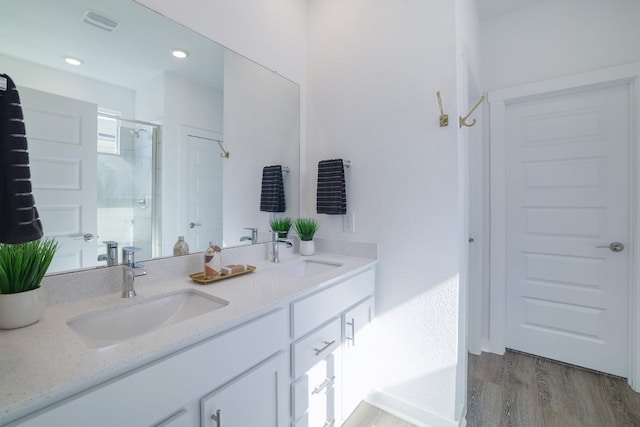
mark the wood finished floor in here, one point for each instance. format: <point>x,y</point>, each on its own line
<point>519,390</point>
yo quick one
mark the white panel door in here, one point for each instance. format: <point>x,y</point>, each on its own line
<point>204,189</point>
<point>567,200</point>
<point>62,136</point>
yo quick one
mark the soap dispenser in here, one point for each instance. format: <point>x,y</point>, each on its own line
<point>212,261</point>
<point>181,247</point>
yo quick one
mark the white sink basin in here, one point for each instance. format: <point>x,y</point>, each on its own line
<point>111,326</point>
<point>305,268</point>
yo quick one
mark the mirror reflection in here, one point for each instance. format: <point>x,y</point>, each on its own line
<point>128,145</point>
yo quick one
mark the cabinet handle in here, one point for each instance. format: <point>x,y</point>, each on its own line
<point>324,385</point>
<point>217,418</point>
<point>352,338</point>
<point>327,344</point>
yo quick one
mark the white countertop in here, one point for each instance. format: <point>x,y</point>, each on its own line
<point>46,362</point>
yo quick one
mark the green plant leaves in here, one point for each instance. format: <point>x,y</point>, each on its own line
<point>306,228</point>
<point>282,225</point>
<point>23,266</point>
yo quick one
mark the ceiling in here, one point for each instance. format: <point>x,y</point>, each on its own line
<point>488,9</point>
<point>138,50</point>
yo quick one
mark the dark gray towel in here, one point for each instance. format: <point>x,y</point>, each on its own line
<point>272,196</point>
<point>332,195</point>
<point>19,220</point>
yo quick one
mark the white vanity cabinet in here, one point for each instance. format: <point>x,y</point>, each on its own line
<point>356,355</point>
<point>298,364</point>
<point>256,398</point>
<point>321,335</point>
<point>168,392</point>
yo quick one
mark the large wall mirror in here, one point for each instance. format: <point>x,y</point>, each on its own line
<point>130,144</point>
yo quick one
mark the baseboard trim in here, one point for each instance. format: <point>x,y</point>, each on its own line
<point>421,417</point>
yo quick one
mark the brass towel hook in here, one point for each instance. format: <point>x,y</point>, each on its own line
<point>444,118</point>
<point>225,153</point>
<point>463,120</point>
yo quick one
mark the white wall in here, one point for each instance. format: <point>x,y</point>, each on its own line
<point>557,38</point>
<point>374,68</point>
<point>272,33</point>
<point>261,128</point>
<point>58,82</point>
<point>469,138</point>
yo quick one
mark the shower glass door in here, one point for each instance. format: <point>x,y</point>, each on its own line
<point>127,160</point>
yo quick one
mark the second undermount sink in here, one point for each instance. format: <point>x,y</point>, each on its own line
<point>111,326</point>
<point>305,268</point>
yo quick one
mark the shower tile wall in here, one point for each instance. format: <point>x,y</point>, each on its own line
<point>125,193</point>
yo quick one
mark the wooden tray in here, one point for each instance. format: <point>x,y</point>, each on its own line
<point>199,277</point>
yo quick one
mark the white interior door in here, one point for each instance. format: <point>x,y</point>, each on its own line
<point>567,201</point>
<point>62,135</point>
<point>203,188</point>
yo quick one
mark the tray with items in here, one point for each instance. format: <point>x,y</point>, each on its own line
<point>226,272</point>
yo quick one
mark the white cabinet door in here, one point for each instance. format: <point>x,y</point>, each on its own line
<point>356,354</point>
<point>256,398</point>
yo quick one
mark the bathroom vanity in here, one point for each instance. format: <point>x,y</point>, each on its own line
<point>288,346</point>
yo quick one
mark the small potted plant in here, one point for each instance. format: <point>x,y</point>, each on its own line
<point>281,225</point>
<point>22,268</point>
<point>306,228</point>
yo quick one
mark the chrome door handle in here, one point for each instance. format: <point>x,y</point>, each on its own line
<point>327,344</point>
<point>352,338</point>
<point>216,417</point>
<point>613,247</point>
<point>324,385</point>
<point>194,224</point>
<point>87,237</point>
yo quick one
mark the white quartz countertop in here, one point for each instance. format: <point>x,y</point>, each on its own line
<point>46,362</point>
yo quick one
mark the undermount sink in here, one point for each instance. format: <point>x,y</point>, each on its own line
<point>111,326</point>
<point>305,268</point>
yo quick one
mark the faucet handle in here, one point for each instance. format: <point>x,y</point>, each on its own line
<point>128,255</point>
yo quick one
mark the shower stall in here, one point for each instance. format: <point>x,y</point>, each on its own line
<point>127,187</point>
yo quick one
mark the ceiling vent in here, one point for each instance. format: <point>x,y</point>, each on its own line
<point>99,20</point>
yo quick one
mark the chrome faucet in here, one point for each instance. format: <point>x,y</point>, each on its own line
<point>275,253</point>
<point>130,270</point>
<point>254,235</point>
<point>112,253</point>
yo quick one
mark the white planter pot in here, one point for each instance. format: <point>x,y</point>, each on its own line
<point>21,309</point>
<point>307,247</point>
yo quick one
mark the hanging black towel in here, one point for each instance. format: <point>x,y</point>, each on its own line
<point>332,195</point>
<point>19,220</point>
<point>272,197</point>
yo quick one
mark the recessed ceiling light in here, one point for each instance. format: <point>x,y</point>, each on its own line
<point>72,61</point>
<point>180,53</point>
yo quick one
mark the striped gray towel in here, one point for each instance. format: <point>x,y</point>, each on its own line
<point>19,220</point>
<point>272,196</point>
<point>332,194</point>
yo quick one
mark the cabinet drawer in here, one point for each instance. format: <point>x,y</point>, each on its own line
<point>313,394</point>
<point>308,351</point>
<point>310,312</point>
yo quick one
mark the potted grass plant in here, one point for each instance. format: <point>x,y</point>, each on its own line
<point>281,225</point>
<point>22,268</point>
<point>306,228</point>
